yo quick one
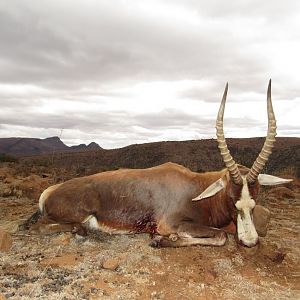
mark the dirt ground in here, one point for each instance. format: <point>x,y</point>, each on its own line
<point>100,266</point>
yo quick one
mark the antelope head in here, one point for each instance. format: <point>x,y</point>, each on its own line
<point>242,184</point>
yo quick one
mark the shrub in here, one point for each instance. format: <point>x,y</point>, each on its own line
<point>7,158</point>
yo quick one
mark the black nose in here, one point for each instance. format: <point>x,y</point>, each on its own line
<point>240,242</point>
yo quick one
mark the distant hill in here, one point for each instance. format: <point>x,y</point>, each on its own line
<point>31,146</point>
<point>198,155</point>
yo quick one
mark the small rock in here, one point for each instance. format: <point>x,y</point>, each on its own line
<point>9,180</point>
<point>5,241</point>
<point>66,260</point>
<point>110,264</point>
<point>46,175</point>
<point>9,295</point>
<point>210,276</point>
<point>63,239</point>
<point>277,257</point>
<point>261,219</point>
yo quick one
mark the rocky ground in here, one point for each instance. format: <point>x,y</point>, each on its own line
<point>64,266</point>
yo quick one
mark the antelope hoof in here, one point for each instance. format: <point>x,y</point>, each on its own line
<point>173,237</point>
<point>156,242</point>
<point>79,230</point>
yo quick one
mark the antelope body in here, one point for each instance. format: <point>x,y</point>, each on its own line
<point>176,206</point>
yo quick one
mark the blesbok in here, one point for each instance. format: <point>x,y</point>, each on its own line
<point>165,200</point>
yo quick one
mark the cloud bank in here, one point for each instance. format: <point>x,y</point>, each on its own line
<point>122,72</point>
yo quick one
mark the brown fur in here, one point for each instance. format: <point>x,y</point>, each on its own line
<point>156,200</point>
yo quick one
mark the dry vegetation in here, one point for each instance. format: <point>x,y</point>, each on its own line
<point>198,155</point>
<point>63,266</point>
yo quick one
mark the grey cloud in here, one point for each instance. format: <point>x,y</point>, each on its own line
<point>29,49</point>
<point>119,128</point>
<point>67,121</point>
<point>247,8</point>
<point>108,47</point>
<point>87,49</point>
<point>170,118</point>
<point>238,91</point>
<point>289,130</point>
<point>19,103</point>
<point>122,121</point>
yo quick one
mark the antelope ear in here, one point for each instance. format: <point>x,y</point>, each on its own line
<point>265,179</point>
<point>211,190</point>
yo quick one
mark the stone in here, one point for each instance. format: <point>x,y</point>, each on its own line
<point>46,175</point>
<point>277,257</point>
<point>5,241</point>
<point>261,219</point>
<point>110,264</point>
<point>9,180</point>
<point>2,297</point>
<point>67,260</point>
<point>63,239</point>
<point>41,228</point>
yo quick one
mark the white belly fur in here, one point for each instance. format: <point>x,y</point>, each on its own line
<point>92,223</point>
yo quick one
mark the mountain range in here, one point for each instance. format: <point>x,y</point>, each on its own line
<point>18,146</point>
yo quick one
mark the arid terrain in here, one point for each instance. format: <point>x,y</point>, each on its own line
<point>100,266</point>
<point>197,155</point>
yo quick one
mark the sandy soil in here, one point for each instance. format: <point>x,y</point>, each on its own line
<point>64,266</point>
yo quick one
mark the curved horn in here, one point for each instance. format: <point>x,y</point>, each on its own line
<point>227,158</point>
<point>269,142</point>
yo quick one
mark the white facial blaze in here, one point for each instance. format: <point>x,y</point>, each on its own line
<point>245,228</point>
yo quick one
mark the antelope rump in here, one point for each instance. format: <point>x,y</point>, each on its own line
<point>176,206</point>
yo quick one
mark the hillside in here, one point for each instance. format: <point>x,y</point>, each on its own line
<point>104,266</point>
<point>31,146</point>
<point>198,155</point>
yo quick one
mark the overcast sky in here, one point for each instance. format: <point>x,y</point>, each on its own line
<point>124,72</point>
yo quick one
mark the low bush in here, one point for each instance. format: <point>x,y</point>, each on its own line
<point>7,158</point>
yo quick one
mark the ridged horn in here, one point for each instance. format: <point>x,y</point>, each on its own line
<point>227,158</point>
<point>269,142</point>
